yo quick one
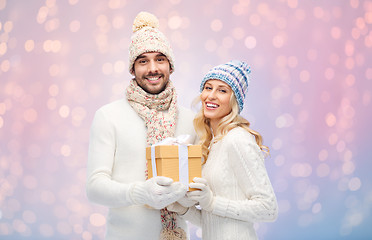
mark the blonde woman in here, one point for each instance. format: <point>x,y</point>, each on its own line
<point>235,191</point>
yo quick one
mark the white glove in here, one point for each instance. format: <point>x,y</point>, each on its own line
<point>157,192</point>
<point>186,201</point>
<point>178,208</point>
<point>182,205</point>
<point>204,196</point>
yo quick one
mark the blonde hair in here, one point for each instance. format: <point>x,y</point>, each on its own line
<point>230,121</point>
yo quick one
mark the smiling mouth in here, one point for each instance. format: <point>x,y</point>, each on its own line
<point>212,105</point>
<point>153,78</point>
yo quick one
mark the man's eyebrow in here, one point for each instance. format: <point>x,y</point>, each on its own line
<point>141,56</point>
<point>160,55</point>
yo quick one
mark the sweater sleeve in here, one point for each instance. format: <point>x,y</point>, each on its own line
<point>100,187</point>
<point>248,166</point>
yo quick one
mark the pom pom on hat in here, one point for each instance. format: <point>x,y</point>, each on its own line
<point>148,38</point>
<point>145,19</point>
<point>236,74</point>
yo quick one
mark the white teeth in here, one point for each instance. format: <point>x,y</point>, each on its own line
<point>153,78</point>
<point>212,105</point>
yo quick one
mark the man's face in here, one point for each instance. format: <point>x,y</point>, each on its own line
<point>151,71</point>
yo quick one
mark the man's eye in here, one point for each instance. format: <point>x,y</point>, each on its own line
<point>161,59</point>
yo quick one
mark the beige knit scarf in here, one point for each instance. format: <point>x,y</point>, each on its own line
<point>160,123</point>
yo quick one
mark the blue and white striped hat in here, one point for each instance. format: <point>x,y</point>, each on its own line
<point>236,74</point>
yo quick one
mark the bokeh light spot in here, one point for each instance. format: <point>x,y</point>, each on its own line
<point>301,170</point>
<point>118,22</point>
<point>330,119</point>
<point>3,48</point>
<point>255,19</point>
<point>29,45</point>
<point>64,111</point>
<point>97,219</point>
<point>175,22</point>
<point>119,67</point>
<point>30,115</point>
<point>65,150</point>
<point>75,26</point>
<point>323,155</point>
<point>216,25</point>
<point>284,121</point>
<point>354,184</point>
<point>348,168</point>
<point>278,41</point>
<point>250,42</point>
<point>107,68</point>
<point>292,3</point>
<point>5,66</point>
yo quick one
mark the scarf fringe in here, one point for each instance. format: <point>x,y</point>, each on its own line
<point>175,234</point>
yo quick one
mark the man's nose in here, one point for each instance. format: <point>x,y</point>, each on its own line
<point>152,67</point>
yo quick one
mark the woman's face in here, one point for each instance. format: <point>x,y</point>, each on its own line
<point>215,98</point>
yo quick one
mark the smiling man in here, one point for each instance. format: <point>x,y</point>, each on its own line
<point>151,72</point>
<point>120,133</point>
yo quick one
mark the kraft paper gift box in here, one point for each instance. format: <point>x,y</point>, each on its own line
<point>167,162</point>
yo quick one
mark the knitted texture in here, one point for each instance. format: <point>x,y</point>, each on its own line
<point>243,195</point>
<point>236,74</point>
<point>148,38</point>
<point>152,108</point>
<point>160,125</point>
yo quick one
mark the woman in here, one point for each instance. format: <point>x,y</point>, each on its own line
<point>235,191</point>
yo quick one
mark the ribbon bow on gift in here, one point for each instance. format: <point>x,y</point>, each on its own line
<point>182,141</point>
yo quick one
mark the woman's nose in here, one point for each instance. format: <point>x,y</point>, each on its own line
<point>212,94</point>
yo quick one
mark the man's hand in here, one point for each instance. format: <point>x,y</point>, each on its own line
<point>157,192</point>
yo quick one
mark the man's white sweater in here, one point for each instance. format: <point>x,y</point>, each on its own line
<point>116,161</point>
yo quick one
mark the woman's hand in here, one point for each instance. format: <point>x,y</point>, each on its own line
<point>204,197</point>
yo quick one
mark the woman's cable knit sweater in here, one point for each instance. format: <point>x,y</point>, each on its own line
<point>117,155</point>
<point>243,194</point>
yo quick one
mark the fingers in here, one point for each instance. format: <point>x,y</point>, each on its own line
<point>179,188</point>
<point>200,186</point>
<point>163,181</point>
<point>186,202</point>
<point>200,180</point>
<point>194,194</point>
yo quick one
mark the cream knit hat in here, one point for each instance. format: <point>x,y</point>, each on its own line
<point>147,38</point>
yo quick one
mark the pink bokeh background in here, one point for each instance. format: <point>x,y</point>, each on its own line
<point>310,98</point>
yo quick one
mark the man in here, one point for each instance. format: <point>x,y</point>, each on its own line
<point>120,133</point>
